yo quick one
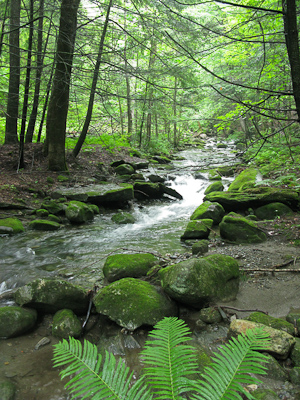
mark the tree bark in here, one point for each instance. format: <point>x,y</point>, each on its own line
<point>39,68</point>
<point>11,129</point>
<point>292,45</point>
<point>89,113</point>
<point>59,99</point>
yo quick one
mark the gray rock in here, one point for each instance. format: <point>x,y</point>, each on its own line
<point>14,321</point>
<point>65,324</point>
<point>51,295</point>
<point>281,343</point>
<point>78,212</point>
<point>132,303</point>
<point>199,281</point>
<point>7,390</point>
<point>6,230</point>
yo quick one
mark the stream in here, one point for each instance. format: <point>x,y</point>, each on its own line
<point>77,253</point>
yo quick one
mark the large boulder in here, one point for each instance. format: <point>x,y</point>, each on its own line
<point>214,187</point>
<point>14,321</point>
<point>236,228</point>
<point>14,224</point>
<point>198,229</point>
<point>132,303</point>
<point>253,198</point>
<point>149,190</point>
<point>245,180</point>
<point>43,225</point>
<point>78,212</point>
<point>51,295</point>
<point>53,206</point>
<point>281,343</point>
<point>65,324</point>
<point>199,281</point>
<point>268,320</point>
<point>209,210</point>
<point>124,169</point>
<point>120,266</point>
<point>272,211</point>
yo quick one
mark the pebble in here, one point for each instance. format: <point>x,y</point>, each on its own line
<point>42,343</point>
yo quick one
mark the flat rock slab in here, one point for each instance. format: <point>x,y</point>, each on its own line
<point>97,194</point>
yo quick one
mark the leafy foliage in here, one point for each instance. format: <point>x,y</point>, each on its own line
<point>169,364</point>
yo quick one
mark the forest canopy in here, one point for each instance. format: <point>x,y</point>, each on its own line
<point>147,74</point>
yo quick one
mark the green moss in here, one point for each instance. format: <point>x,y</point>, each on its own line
<point>198,229</point>
<point>65,324</point>
<point>273,322</point>
<point>214,187</point>
<point>238,229</point>
<point>209,210</point>
<point>213,175</point>
<point>15,321</point>
<point>244,179</point>
<point>43,225</point>
<point>123,218</point>
<point>13,223</point>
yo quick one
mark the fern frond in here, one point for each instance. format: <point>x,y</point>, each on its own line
<point>232,367</point>
<point>92,379</point>
<point>167,360</point>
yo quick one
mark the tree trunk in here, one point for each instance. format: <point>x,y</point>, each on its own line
<point>151,76</point>
<point>292,45</point>
<point>59,99</point>
<point>89,113</point>
<point>3,26</point>
<point>175,113</point>
<point>11,130</point>
<point>39,68</point>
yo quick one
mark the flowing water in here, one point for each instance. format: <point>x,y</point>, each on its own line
<point>78,252</point>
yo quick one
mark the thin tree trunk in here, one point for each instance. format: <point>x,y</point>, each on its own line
<point>150,67</point>
<point>121,116</point>
<point>175,113</point>
<point>3,25</point>
<point>59,99</point>
<point>89,113</point>
<point>11,129</point>
<point>39,68</point>
<point>26,89</point>
<point>292,45</point>
<point>45,109</point>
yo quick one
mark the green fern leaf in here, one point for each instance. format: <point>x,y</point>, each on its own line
<point>167,360</point>
<point>90,379</point>
<point>223,380</point>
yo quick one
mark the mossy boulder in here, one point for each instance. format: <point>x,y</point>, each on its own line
<point>272,211</point>
<point>7,389</point>
<point>15,321</point>
<point>161,159</point>
<point>294,317</point>
<point>65,324</point>
<point>94,208</point>
<point>199,281</point>
<point>132,303</point>
<point>43,225</point>
<point>124,169</point>
<point>244,180</point>
<point>123,218</point>
<point>253,198</point>
<point>197,229</point>
<point>281,343</point>
<point>54,218</point>
<point>238,229</point>
<point>273,322</point>
<point>295,354</point>
<point>209,210</point>
<point>213,175</point>
<point>51,295</point>
<point>13,223</point>
<point>78,212</point>
<point>214,187</point>
<point>265,394</point>
<point>42,213</point>
<point>200,247</point>
<point>147,190</point>
<point>226,171</point>
<point>128,265</point>
<point>210,315</point>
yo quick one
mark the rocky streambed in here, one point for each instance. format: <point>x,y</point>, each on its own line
<point>269,281</point>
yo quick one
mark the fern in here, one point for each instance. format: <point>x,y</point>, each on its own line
<point>168,360</point>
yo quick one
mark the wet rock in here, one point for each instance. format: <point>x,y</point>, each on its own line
<point>42,213</point>
<point>78,212</point>
<point>7,390</point>
<point>15,321</point>
<point>171,192</point>
<point>132,303</point>
<point>236,228</point>
<point>43,225</point>
<point>54,218</point>
<point>214,187</point>
<point>51,295</point>
<point>209,210</point>
<point>141,165</point>
<point>200,247</point>
<point>124,169</point>
<point>225,171</point>
<point>122,218</point>
<point>281,343</point>
<point>53,207</point>
<point>245,180</point>
<point>210,315</point>
<point>273,322</point>
<point>213,175</point>
<point>116,163</point>
<point>13,223</point>
<point>149,190</point>
<point>253,198</point>
<point>6,230</point>
<point>272,211</point>
<point>221,146</point>
<point>128,265</point>
<point>199,229</point>
<point>161,159</point>
<point>199,281</point>
<point>156,178</point>
<point>65,324</point>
